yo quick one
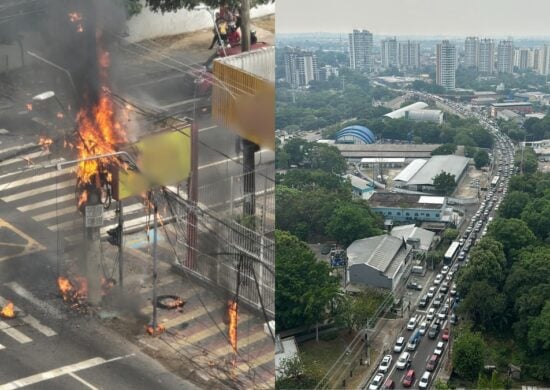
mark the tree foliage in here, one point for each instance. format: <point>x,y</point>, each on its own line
<point>444,183</point>
<point>295,374</point>
<point>468,354</point>
<point>352,221</point>
<point>175,5</point>
<point>444,150</point>
<point>303,287</point>
<point>481,159</point>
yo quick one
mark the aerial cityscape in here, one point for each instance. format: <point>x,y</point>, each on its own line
<point>412,177</point>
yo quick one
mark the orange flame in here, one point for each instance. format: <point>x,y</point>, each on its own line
<point>60,115</point>
<point>45,142</point>
<point>79,28</point>
<point>29,106</point>
<point>152,332</point>
<point>233,320</point>
<point>75,17</point>
<point>65,287</point>
<point>73,292</point>
<point>8,311</point>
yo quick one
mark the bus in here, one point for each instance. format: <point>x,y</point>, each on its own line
<point>451,252</point>
<point>495,180</point>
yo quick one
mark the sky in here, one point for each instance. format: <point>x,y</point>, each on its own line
<point>498,18</point>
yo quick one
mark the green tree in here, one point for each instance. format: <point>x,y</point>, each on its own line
<point>444,150</point>
<point>444,183</point>
<point>295,374</point>
<point>468,355</point>
<point>513,204</point>
<point>539,331</point>
<point>175,5</point>
<point>304,287</point>
<point>450,234</point>
<point>481,159</point>
<point>512,233</point>
<point>352,221</point>
<point>485,306</point>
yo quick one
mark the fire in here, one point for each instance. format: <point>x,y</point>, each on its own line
<point>60,115</point>
<point>152,332</point>
<point>79,28</point>
<point>82,199</point>
<point>73,292</point>
<point>233,319</point>
<point>7,311</point>
<point>29,106</point>
<point>75,17</point>
<point>45,142</point>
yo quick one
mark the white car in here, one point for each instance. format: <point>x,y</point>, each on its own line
<point>385,364</point>
<point>431,314</point>
<point>445,269</point>
<point>438,279</point>
<point>411,324</point>
<point>439,348</point>
<point>377,382</point>
<point>431,291</point>
<point>424,380</point>
<point>403,361</point>
<point>423,327</point>
<point>399,344</point>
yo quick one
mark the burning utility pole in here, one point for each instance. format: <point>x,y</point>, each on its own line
<point>93,215</point>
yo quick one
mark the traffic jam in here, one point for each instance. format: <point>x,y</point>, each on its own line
<point>416,357</point>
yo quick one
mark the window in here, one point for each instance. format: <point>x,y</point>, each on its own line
<point>427,214</point>
<point>399,213</point>
<point>416,214</point>
<point>389,212</point>
<point>407,214</point>
<point>437,215</point>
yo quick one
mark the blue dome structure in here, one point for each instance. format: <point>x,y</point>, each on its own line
<point>355,135</point>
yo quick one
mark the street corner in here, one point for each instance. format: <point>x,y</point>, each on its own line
<point>14,242</point>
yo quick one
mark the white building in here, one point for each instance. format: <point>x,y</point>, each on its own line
<point>389,53</point>
<point>544,60</point>
<point>471,52</point>
<point>446,65</point>
<point>327,71</point>
<point>505,57</point>
<point>409,55</point>
<point>300,67</point>
<point>486,57</point>
<point>435,116</point>
<point>402,112</point>
<point>360,50</point>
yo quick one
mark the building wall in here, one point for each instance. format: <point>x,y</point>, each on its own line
<point>360,50</point>
<point>149,25</point>
<point>415,214</point>
<point>446,65</point>
<point>389,53</point>
<point>409,54</point>
<point>486,56</point>
<point>505,57</point>
<point>471,52</point>
<point>364,274</point>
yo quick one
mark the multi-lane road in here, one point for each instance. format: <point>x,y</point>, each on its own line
<point>419,357</point>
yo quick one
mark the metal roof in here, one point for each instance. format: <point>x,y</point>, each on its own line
<point>411,231</point>
<point>384,253</point>
<point>452,164</point>
<point>361,132</point>
<point>402,201</point>
<point>357,182</point>
<point>401,112</point>
<point>432,199</point>
<point>410,170</point>
<point>383,160</point>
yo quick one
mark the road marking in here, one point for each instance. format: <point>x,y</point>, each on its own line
<point>55,213</point>
<point>24,293</point>
<point>47,202</point>
<point>243,342</point>
<point>207,128</point>
<point>265,358</point>
<point>190,315</point>
<point>15,148</point>
<point>47,375</point>
<point>30,168</point>
<point>30,320</point>
<point>30,245</point>
<point>36,178</point>
<point>53,187</point>
<point>210,331</point>
<point>2,347</point>
<point>127,210</point>
<point>14,333</point>
<point>83,381</point>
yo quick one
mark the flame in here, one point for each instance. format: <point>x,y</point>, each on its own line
<point>233,319</point>
<point>76,292</point>
<point>79,28</point>
<point>152,332</point>
<point>7,311</point>
<point>75,17</point>
<point>29,106</point>
<point>45,142</point>
<point>99,132</point>
<point>60,115</point>
<point>82,199</point>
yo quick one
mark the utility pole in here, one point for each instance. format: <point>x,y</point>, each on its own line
<point>192,195</point>
<point>121,246</point>
<point>154,324</point>
<point>93,217</point>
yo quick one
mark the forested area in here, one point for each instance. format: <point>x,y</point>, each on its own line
<point>506,285</point>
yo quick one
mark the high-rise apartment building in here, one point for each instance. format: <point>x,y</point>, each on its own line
<point>360,50</point>
<point>544,60</point>
<point>505,57</point>
<point>523,58</point>
<point>389,53</point>
<point>409,54</point>
<point>486,56</point>
<point>471,52</point>
<point>446,65</point>
<point>300,67</point>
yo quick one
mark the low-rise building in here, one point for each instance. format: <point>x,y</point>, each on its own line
<point>409,207</point>
<point>285,349</point>
<point>420,239</point>
<point>360,188</point>
<point>381,261</point>
<point>518,107</point>
<point>383,162</point>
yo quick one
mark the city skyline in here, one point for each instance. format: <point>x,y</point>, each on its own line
<point>417,18</point>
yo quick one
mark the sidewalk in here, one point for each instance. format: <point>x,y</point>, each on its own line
<point>195,344</point>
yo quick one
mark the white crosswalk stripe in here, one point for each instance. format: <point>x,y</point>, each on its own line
<point>30,320</point>
<point>14,333</point>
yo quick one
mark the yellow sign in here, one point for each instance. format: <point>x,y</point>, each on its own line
<point>162,159</point>
<point>245,103</point>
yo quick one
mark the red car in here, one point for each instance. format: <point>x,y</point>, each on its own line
<point>432,363</point>
<point>445,335</point>
<point>390,384</point>
<point>408,380</point>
